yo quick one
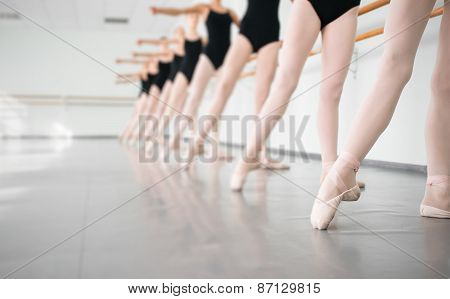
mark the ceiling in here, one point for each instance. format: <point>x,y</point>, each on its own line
<point>86,15</point>
<point>89,15</point>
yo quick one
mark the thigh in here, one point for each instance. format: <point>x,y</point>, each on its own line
<point>442,67</point>
<point>236,58</point>
<point>338,40</point>
<point>180,84</point>
<point>166,92</point>
<point>302,31</point>
<point>266,64</point>
<point>203,71</point>
<point>405,25</point>
<point>179,89</point>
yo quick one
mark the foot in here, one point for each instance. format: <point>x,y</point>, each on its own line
<point>240,174</point>
<point>436,202</point>
<point>175,144</point>
<point>268,163</point>
<point>195,150</point>
<point>326,166</point>
<point>224,155</point>
<point>340,184</point>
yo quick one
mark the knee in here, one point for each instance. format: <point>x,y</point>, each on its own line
<point>226,84</point>
<point>331,90</point>
<point>285,81</point>
<point>398,66</point>
<point>262,92</point>
<point>440,84</point>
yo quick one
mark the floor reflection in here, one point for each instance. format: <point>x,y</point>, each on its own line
<point>187,224</point>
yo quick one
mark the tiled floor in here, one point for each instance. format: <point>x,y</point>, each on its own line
<point>88,209</point>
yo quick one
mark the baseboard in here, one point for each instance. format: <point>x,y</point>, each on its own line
<point>366,162</point>
<point>283,152</point>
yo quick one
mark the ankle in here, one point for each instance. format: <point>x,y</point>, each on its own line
<point>437,186</point>
<point>346,166</point>
<point>437,193</point>
<point>437,180</point>
<point>348,161</point>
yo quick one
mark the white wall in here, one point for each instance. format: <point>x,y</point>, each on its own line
<point>32,62</point>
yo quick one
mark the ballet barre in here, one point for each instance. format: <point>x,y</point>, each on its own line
<point>372,6</point>
<point>125,81</point>
<point>150,54</point>
<point>131,61</point>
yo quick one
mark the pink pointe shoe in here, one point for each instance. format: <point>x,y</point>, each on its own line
<point>324,209</point>
<point>240,174</point>
<point>436,203</point>
<point>270,164</point>
<point>195,150</point>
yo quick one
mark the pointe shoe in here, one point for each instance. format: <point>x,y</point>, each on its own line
<point>224,156</point>
<point>326,166</point>
<point>437,184</point>
<point>175,144</point>
<point>240,174</point>
<point>273,165</point>
<point>324,210</point>
<point>196,150</point>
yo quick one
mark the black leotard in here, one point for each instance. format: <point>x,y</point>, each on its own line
<point>193,50</point>
<point>163,74</point>
<point>219,31</point>
<point>175,66</point>
<point>147,83</point>
<point>143,85</point>
<point>328,11</point>
<point>260,24</point>
<point>151,79</point>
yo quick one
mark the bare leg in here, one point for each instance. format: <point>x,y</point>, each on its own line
<point>163,100</point>
<point>437,195</point>
<point>160,107</point>
<point>148,109</point>
<point>134,118</point>
<point>266,65</point>
<point>235,61</point>
<point>403,31</point>
<point>176,102</point>
<point>203,73</point>
<point>303,29</point>
<point>337,47</point>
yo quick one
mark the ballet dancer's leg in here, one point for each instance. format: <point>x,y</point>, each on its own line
<point>160,107</point>
<point>202,74</point>
<point>148,109</point>
<point>303,29</point>
<point>235,61</point>
<point>176,102</point>
<point>337,47</point>
<point>266,64</point>
<point>142,107</point>
<point>163,100</point>
<point>403,31</point>
<point>152,100</point>
<point>436,202</point>
<point>127,133</point>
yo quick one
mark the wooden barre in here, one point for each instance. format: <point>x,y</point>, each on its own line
<point>373,6</point>
<point>437,12</point>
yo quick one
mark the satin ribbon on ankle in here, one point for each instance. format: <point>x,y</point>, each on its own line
<point>327,165</point>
